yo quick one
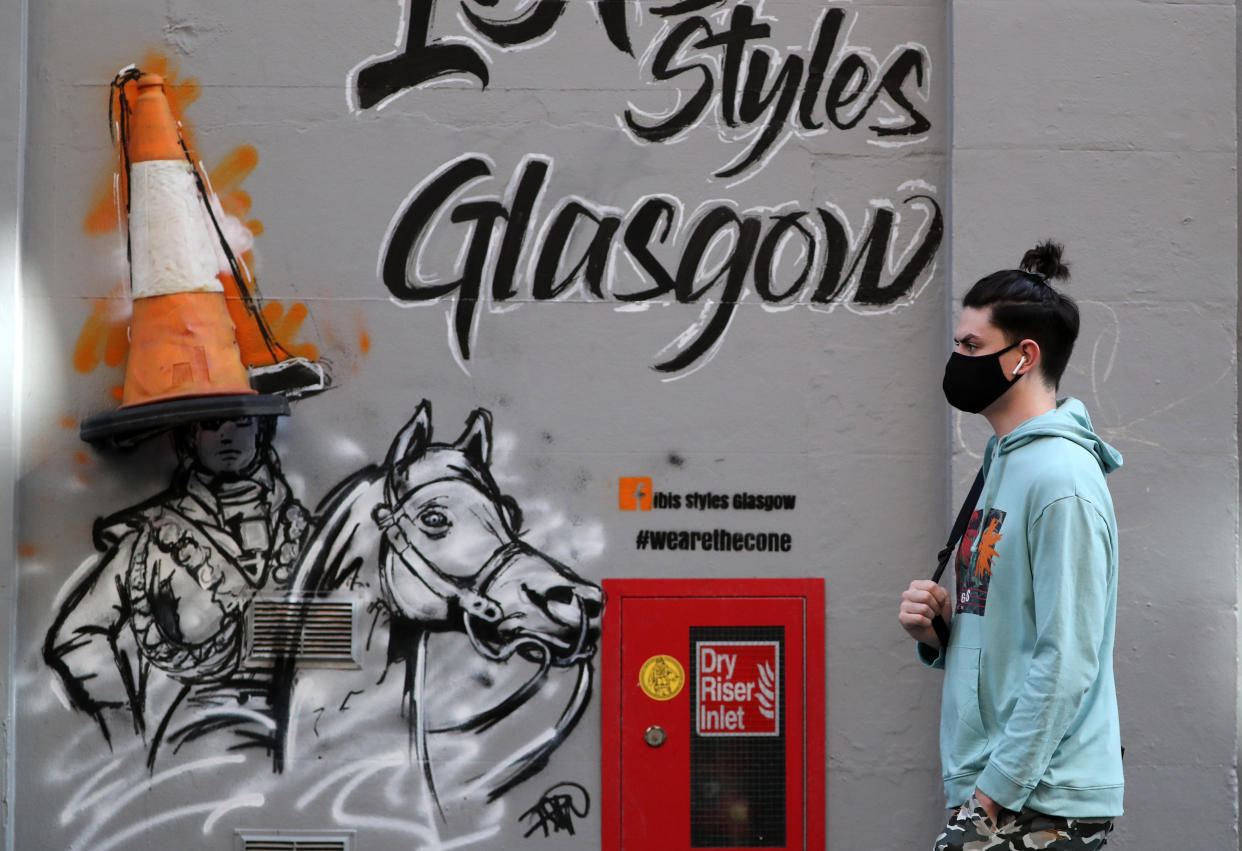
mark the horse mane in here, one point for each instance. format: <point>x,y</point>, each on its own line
<point>342,537</point>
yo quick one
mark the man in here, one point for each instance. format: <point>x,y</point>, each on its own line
<point>1029,737</point>
<point>154,626</point>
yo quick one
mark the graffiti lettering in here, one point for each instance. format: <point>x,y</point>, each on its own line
<point>783,256</point>
<point>755,93</point>
<point>556,809</point>
<point>419,62</point>
<point>746,94</point>
<point>422,60</point>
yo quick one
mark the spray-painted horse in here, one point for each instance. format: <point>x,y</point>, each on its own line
<point>477,652</point>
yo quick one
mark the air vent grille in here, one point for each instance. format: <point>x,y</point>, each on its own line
<point>294,840</point>
<point>316,631</point>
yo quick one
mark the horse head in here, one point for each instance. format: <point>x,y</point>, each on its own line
<point>451,556</point>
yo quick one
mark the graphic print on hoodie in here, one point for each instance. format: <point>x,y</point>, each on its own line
<point>975,556</point>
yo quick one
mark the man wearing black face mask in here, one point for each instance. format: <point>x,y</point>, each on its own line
<point>1029,737</point>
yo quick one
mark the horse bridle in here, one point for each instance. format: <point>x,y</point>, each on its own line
<point>399,531</point>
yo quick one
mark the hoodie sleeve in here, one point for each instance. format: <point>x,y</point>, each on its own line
<point>1071,561</point>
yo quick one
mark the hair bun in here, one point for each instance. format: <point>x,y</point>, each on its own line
<point>1045,260</point>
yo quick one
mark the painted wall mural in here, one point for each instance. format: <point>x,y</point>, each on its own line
<point>149,640</point>
<point>150,637</point>
<point>783,256</point>
<point>295,627</point>
<point>428,544</point>
<point>722,253</point>
<point>735,61</point>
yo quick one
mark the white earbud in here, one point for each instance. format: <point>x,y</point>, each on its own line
<point>1021,364</point>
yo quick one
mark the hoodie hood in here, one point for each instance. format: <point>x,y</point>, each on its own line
<point>1069,420</point>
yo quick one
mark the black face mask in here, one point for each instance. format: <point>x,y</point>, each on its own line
<point>973,383</point>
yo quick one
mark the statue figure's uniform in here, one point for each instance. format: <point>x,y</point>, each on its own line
<point>158,620</point>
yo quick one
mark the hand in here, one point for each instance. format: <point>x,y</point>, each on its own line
<point>989,806</point>
<point>919,604</point>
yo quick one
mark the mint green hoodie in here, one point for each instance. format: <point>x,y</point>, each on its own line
<point>1029,708</point>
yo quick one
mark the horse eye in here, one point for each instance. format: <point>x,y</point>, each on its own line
<point>435,520</point>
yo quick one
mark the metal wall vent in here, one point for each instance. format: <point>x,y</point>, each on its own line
<point>314,631</point>
<point>295,840</point>
<point>295,845</point>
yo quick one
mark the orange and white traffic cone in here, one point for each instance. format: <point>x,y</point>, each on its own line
<point>184,362</point>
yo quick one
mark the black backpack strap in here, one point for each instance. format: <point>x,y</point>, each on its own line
<point>959,529</point>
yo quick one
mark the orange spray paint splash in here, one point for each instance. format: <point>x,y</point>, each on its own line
<point>103,336</point>
<point>265,337</point>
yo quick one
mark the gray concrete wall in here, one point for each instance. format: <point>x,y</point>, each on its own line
<point>1111,126</point>
<point>1088,143</point>
<point>12,139</point>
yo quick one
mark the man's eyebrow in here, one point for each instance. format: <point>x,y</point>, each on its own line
<point>964,338</point>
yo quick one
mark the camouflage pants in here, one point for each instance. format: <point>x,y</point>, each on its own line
<point>970,829</point>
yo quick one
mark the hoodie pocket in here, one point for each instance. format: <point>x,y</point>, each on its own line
<point>963,739</point>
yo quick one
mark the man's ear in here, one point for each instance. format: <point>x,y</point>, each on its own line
<point>1029,355</point>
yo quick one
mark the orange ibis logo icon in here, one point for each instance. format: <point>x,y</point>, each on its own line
<point>634,493</point>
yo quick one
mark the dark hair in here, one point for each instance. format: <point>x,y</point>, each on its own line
<point>183,438</point>
<point>1025,306</point>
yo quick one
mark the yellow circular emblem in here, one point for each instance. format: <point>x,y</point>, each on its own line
<point>662,677</point>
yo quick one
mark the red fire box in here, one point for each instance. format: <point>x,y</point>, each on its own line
<point>713,714</point>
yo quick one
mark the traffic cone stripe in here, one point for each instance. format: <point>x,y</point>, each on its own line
<point>170,245</point>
